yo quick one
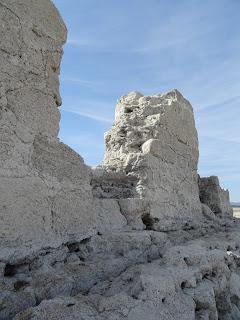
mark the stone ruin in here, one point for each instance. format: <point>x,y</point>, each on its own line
<point>141,236</point>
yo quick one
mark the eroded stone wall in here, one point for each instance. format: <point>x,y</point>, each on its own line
<point>216,198</point>
<point>45,193</point>
<point>155,140</point>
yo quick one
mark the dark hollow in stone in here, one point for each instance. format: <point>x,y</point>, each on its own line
<point>10,270</point>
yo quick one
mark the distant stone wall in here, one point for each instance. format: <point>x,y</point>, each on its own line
<point>216,198</point>
<point>155,140</point>
<point>45,193</point>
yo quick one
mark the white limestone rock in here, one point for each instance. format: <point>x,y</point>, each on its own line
<point>154,139</point>
<point>136,211</point>
<point>45,193</point>
<point>109,216</point>
<point>216,198</point>
<point>122,277</point>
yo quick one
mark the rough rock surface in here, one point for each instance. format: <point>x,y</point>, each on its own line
<point>141,237</point>
<point>155,140</point>
<point>130,275</point>
<point>216,198</point>
<point>45,193</point>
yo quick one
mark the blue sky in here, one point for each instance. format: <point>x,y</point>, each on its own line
<point>153,46</point>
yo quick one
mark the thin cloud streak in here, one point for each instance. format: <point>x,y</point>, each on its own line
<point>83,41</point>
<point>222,103</point>
<point>92,85</point>
<point>81,81</point>
<point>89,115</point>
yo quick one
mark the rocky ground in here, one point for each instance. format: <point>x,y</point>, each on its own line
<point>188,274</point>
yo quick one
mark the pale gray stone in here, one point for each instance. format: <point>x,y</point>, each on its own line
<point>216,198</point>
<point>154,139</point>
<point>45,197</point>
<point>109,215</point>
<point>132,239</point>
<point>136,212</point>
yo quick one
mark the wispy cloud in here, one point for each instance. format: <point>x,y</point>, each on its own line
<point>91,85</point>
<point>82,41</point>
<point>221,103</point>
<point>95,108</point>
<point>89,115</point>
<point>80,81</point>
